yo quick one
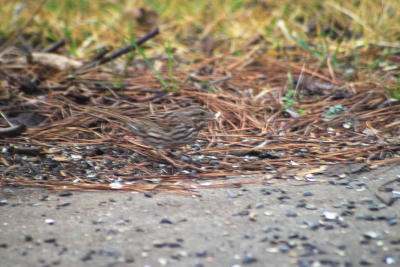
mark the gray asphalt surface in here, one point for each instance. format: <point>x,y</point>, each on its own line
<point>336,221</point>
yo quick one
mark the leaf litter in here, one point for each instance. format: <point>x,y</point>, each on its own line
<point>263,133</point>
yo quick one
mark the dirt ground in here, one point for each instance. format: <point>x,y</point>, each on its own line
<point>332,221</point>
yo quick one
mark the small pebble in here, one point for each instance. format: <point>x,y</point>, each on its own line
<point>109,252</point>
<point>373,235</point>
<point>304,263</point>
<point>392,221</point>
<point>311,207</point>
<point>272,250</point>
<point>293,235</point>
<point>162,261</point>
<point>367,262</point>
<point>248,258</point>
<point>159,243</point>
<point>129,259</point>
<point>244,213</point>
<point>343,182</point>
<point>267,229</point>
<point>301,205</point>
<point>266,191</point>
<point>249,236</point>
<point>259,205</point>
<point>373,206</point>
<point>283,248</point>
<point>186,159</point>
<point>290,213</point>
<point>389,260</point>
<point>311,225</point>
<point>201,254</point>
<point>396,194</point>
<point>88,255</point>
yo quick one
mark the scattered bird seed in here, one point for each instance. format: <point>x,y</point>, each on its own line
<point>49,221</point>
<point>148,194</point>
<point>64,204</point>
<point>330,216</point>
<point>311,207</point>
<point>50,240</point>
<point>166,221</point>
<point>65,194</point>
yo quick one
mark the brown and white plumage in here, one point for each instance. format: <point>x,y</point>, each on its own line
<point>172,128</point>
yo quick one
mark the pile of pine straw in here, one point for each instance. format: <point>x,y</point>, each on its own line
<point>254,136</point>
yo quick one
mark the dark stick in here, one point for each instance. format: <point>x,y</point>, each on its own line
<point>120,52</point>
<point>54,47</point>
<point>101,54</point>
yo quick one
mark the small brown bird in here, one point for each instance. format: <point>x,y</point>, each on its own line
<point>170,129</point>
<point>164,130</point>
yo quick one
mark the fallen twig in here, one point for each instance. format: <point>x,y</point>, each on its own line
<point>118,53</point>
